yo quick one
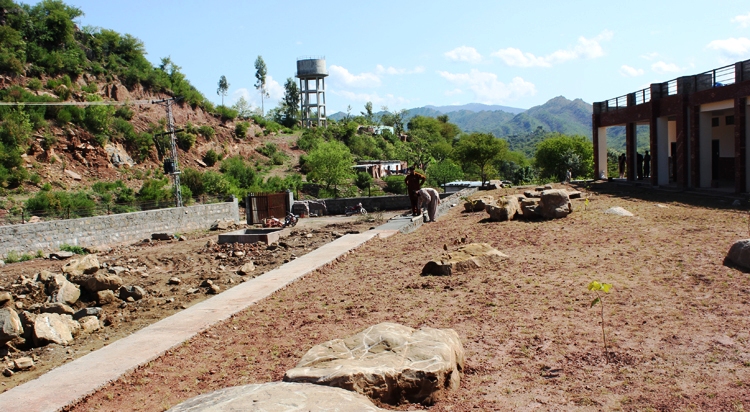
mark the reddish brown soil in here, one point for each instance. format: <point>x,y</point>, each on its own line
<point>676,320</point>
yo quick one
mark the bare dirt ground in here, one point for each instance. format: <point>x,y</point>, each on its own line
<point>151,264</point>
<point>676,319</point>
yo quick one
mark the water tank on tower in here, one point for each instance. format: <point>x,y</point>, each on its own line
<point>312,74</point>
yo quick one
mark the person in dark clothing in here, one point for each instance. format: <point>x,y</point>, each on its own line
<point>621,164</point>
<point>647,165</point>
<point>414,182</point>
<point>639,165</point>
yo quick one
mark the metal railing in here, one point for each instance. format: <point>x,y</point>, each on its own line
<point>719,77</point>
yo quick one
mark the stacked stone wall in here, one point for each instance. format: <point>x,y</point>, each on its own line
<point>111,230</point>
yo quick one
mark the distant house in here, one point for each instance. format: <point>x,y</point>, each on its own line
<point>380,168</point>
<point>457,186</point>
<point>375,130</point>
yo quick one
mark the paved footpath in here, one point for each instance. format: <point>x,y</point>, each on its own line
<point>75,380</point>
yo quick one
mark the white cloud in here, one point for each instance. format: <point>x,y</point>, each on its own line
<point>650,56</point>
<point>584,49</point>
<point>628,71</point>
<point>342,76</point>
<point>731,47</point>
<point>661,67</point>
<point>453,92</point>
<point>743,20</point>
<point>379,69</point>
<point>487,89</point>
<point>464,54</point>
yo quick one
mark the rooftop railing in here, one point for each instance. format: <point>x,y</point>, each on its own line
<point>719,77</point>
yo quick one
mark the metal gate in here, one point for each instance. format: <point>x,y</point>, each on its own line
<point>267,205</point>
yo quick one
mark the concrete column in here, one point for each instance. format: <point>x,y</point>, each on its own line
<point>694,164</point>
<point>660,153</point>
<point>630,142</point>
<point>704,150</point>
<point>740,145</point>
<point>600,152</point>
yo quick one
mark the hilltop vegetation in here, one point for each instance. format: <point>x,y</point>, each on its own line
<point>94,145</point>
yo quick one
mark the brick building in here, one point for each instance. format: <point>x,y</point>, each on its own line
<point>697,129</point>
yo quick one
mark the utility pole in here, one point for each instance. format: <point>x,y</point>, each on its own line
<point>174,170</point>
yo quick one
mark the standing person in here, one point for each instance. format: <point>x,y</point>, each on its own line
<point>430,198</point>
<point>621,165</point>
<point>647,165</point>
<point>414,181</point>
<point>639,165</point>
<point>568,176</point>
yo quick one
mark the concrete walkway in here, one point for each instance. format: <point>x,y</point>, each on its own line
<point>73,381</point>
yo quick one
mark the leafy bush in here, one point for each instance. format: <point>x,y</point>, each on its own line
<point>210,158</point>
<point>34,84</point>
<point>73,249</point>
<point>240,129</point>
<point>61,204</point>
<point>226,113</point>
<point>278,158</point>
<point>363,180</point>
<point>155,193</point>
<point>124,112</point>
<point>185,140</point>
<point>207,131</point>
<point>395,184</point>
<point>193,179</point>
<point>268,150</point>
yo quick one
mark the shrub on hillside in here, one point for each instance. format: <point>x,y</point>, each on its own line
<point>226,113</point>
<point>206,131</point>
<point>395,184</point>
<point>210,158</point>
<point>240,129</point>
<point>185,140</point>
<point>193,179</point>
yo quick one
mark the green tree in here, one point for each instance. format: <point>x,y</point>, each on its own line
<point>290,104</point>
<point>442,172</point>
<point>368,112</point>
<point>260,74</point>
<point>555,155</point>
<point>480,150</point>
<point>243,108</point>
<point>223,88</point>
<point>330,162</point>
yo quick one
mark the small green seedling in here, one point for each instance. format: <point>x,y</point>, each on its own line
<point>596,287</point>
<point>586,204</point>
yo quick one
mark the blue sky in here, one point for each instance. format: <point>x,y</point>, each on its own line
<point>404,54</point>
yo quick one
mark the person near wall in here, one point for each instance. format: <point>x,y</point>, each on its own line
<point>621,164</point>
<point>429,198</point>
<point>639,165</point>
<point>647,165</point>
<point>414,181</point>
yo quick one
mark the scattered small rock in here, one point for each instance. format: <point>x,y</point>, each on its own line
<point>23,363</point>
<point>174,281</point>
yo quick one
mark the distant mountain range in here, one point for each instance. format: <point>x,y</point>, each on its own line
<point>557,115</point>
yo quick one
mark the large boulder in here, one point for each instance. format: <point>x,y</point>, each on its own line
<point>478,204</point>
<point>86,265</point>
<point>278,396</point>
<point>59,289</point>
<point>505,209</point>
<point>10,325</point>
<point>388,362</point>
<point>473,255</point>
<point>529,208</point>
<point>51,328</point>
<point>554,204</point>
<point>739,255</point>
<point>102,281</point>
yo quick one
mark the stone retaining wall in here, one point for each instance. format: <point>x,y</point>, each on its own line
<point>371,204</point>
<point>111,230</point>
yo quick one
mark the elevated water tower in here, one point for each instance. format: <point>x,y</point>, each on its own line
<point>312,74</point>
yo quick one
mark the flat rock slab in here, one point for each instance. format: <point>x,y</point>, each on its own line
<point>278,397</point>
<point>388,362</point>
<point>473,255</point>
<point>618,211</point>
